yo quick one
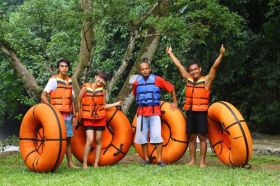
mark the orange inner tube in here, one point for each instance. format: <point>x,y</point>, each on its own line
<point>174,134</point>
<point>229,135</point>
<point>42,138</point>
<point>116,139</point>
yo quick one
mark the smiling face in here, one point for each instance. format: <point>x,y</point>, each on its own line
<point>195,71</point>
<point>100,82</point>
<point>63,68</point>
<point>144,69</point>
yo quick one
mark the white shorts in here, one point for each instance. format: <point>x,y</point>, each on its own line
<point>152,125</point>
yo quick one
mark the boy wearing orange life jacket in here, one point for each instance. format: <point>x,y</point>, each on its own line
<point>92,105</point>
<point>59,88</point>
<point>197,101</point>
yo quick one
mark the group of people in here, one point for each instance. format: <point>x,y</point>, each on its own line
<point>91,103</point>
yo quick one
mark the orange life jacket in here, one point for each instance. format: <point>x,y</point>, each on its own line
<point>93,103</point>
<point>61,97</point>
<point>197,96</point>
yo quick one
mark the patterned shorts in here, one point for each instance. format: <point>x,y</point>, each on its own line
<point>68,122</point>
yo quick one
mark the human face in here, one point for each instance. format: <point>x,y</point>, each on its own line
<point>195,71</point>
<point>144,69</point>
<point>63,68</point>
<point>99,81</point>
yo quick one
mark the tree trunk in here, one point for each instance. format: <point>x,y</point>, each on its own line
<point>27,78</point>
<point>134,27</point>
<point>147,50</point>
<point>125,62</point>
<point>86,43</point>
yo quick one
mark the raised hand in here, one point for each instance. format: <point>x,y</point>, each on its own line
<point>103,82</point>
<point>222,49</point>
<point>168,50</point>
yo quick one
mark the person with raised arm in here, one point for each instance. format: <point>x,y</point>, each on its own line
<point>197,101</point>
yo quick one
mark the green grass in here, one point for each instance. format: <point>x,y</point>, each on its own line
<point>265,171</point>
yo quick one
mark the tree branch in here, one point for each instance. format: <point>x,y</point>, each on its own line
<point>126,60</point>
<point>27,78</point>
<point>86,43</point>
<point>147,50</point>
<point>136,22</point>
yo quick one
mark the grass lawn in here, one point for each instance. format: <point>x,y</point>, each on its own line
<point>265,171</point>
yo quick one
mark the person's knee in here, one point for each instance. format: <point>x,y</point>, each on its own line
<point>68,139</point>
<point>89,141</point>
<point>192,138</point>
<point>202,138</point>
<point>156,144</point>
<point>98,141</point>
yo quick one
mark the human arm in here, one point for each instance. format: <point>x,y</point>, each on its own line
<point>174,104</point>
<point>133,88</point>
<point>212,73</point>
<point>165,85</point>
<point>51,85</point>
<point>118,103</point>
<point>79,101</point>
<point>106,105</point>
<point>177,62</point>
<point>44,98</point>
<point>74,119</point>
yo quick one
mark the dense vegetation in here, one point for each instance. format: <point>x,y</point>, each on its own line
<point>40,32</point>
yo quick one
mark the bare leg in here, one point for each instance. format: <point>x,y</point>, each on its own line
<point>192,148</point>
<point>203,150</point>
<point>98,138</point>
<point>159,151</point>
<point>69,154</point>
<point>89,136</point>
<point>145,151</point>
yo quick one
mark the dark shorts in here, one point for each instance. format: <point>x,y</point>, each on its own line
<point>197,122</point>
<point>96,128</point>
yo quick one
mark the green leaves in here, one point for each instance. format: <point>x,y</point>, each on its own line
<point>42,31</point>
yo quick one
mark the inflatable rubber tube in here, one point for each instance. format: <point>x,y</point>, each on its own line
<point>116,139</point>
<point>229,135</point>
<point>174,134</point>
<point>42,138</point>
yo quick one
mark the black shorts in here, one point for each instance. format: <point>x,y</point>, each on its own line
<point>96,128</point>
<point>197,122</point>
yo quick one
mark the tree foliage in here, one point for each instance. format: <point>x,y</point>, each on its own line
<point>41,32</point>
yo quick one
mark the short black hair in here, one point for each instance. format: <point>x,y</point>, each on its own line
<point>146,60</point>
<point>64,61</point>
<point>192,62</point>
<point>102,75</point>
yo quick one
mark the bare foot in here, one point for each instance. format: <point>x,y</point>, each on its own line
<point>131,157</point>
<point>191,163</point>
<point>95,166</point>
<point>202,165</point>
<point>85,167</point>
<point>72,166</point>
